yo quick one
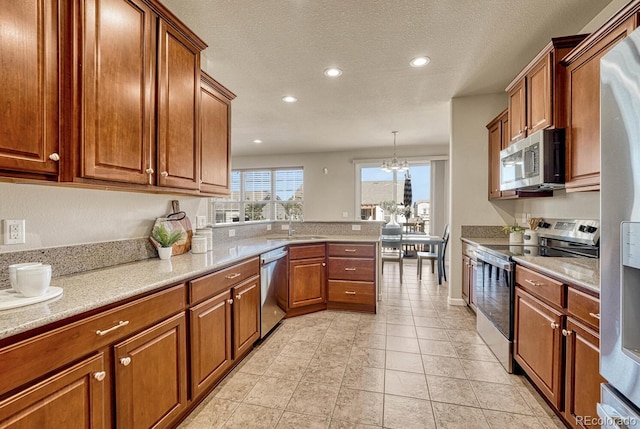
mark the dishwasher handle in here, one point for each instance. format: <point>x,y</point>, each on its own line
<point>269,259</point>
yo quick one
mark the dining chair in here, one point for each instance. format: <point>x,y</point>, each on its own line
<point>391,239</point>
<point>433,256</point>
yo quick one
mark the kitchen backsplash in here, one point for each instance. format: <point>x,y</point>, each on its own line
<point>482,231</point>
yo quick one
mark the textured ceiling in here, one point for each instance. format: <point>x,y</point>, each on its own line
<point>263,50</point>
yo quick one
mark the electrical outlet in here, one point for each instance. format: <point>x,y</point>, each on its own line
<point>355,227</point>
<point>14,231</point>
<point>345,214</point>
<point>232,233</point>
<point>269,227</point>
<point>201,221</point>
<point>284,227</point>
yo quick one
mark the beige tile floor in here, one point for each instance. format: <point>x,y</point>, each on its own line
<point>417,363</point>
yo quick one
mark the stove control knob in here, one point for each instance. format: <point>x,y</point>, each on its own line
<point>591,229</point>
<point>582,228</point>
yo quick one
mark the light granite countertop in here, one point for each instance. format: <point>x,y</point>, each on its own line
<point>97,288</point>
<point>583,272</point>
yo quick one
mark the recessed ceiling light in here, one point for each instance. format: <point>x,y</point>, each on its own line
<point>419,61</point>
<point>257,141</point>
<point>333,72</point>
<point>289,99</point>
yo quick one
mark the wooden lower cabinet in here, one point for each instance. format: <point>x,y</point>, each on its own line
<point>211,341</point>
<point>582,378</point>
<point>151,376</point>
<point>307,282</point>
<point>538,344</point>
<point>246,316</point>
<point>77,394</point>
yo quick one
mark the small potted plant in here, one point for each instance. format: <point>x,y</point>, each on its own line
<point>515,232</point>
<point>165,239</point>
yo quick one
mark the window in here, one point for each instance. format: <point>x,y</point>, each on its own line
<point>377,186</point>
<point>252,200</point>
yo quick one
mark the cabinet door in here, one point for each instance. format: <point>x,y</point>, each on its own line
<point>29,96</point>
<point>117,68</point>
<point>495,145</point>
<point>582,369</point>
<point>583,113</point>
<point>151,375</point>
<point>215,140</point>
<point>178,110</point>
<point>475,276</point>
<point>307,282</point>
<point>538,344</point>
<point>517,112</point>
<point>539,104</point>
<point>76,394</point>
<point>246,316</point>
<point>466,280</point>
<point>210,332</point>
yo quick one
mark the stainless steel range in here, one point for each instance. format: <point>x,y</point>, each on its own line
<point>495,289</point>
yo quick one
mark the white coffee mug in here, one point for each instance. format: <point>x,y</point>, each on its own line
<point>12,273</point>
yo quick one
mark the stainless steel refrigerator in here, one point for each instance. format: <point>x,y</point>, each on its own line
<point>620,234</point>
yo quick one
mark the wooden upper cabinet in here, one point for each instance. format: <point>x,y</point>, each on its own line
<point>117,64</point>
<point>495,128</point>
<point>536,95</point>
<point>215,138</point>
<point>539,103</point>
<point>517,112</point>
<point>178,110</point>
<point>583,103</point>
<point>30,96</point>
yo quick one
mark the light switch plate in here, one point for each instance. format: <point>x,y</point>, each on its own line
<point>201,221</point>
<point>355,227</point>
<point>232,233</point>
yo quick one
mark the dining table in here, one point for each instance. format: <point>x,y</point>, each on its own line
<point>418,238</point>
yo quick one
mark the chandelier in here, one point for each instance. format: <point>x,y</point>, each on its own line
<point>394,164</point>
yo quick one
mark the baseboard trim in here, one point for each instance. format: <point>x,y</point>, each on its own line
<point>456,301</point>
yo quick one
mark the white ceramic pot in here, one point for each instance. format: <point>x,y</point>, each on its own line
<point>530,237</point>
<point>165,252</point>
<point>12,273</point>
<point>392,220</point>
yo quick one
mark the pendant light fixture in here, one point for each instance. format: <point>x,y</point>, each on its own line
<point>394,164</point>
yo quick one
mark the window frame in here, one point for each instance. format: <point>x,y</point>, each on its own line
<point>243,202</point>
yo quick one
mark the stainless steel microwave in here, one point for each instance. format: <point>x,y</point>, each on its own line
<point>534,163</point>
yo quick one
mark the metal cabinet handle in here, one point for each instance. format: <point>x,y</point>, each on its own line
<point>149,171</point>
<point>349,292</point>
<point>238,297</point>
<point>595,315</point>
<point>350,250</point>
<point>233,276</point>
<point>113,328</point>
<point>533,283</point>
<point>566,333</point>
<point>349,269</point>
<point>164,174</point>
<point>230,301</point>
<point>125,361</point>
<point>54,157</point>
<point>100,375</point>
<point>554,325</point>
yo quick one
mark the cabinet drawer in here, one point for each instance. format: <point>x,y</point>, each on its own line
<point>541,286</point>
<point>584,307</point>
<point>352,292</point>
<point>306,251</point>
<point>212,284</point>
<point>351,250</point>
<point>352,269</point>
<point>32,358</point>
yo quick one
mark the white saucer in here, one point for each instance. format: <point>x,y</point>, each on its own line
<point>10,298</point>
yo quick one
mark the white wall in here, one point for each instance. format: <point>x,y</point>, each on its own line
<point>327,196</point>
<point>469,151</point>
<point>59,216</point>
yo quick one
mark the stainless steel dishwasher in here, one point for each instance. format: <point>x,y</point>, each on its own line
<point>274,288</point>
